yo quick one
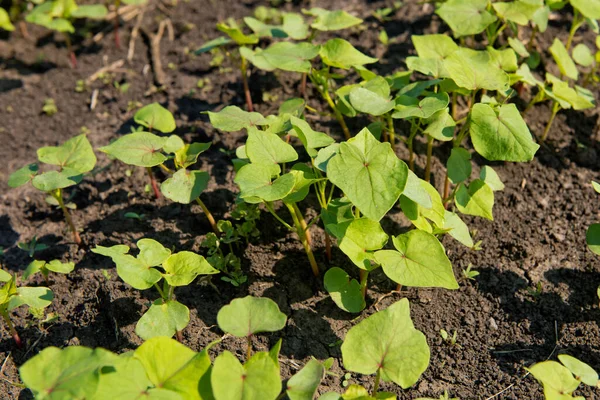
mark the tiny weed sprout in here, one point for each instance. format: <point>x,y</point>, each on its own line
<point>59,15</point>
<point>32,246</point>
<point>561,379</point>
<point>12,297</point>
<point>166,316</point>
<point>452,340</point>
<point>134,215</point>
<point>45,268</point>
<point>74,158</point>
<point>469,273</point>
<point>49,107</point>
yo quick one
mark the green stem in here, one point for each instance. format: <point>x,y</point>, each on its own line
<point>244,70</point>
<point>11,328</point>
<point>70,50</point>
<point>574,26</point>
<point>270,208</point>
<point>555,109</point>
<point>376,384</point>
<point>497,34</point>
<point>534,32</point>
<point>303,234</point>
<point>364,276</point>
<point>159,290</point>
<point>429,153</point>
<point>209,216</point>
<point>58,196</point>
<point>392,131</point>
<point>249,349</point>
<point>454,110</point>
<point>411,157</point>
<point>338,114</point>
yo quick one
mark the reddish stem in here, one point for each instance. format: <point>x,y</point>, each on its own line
<point>153,183</point>
<point>328,246</point>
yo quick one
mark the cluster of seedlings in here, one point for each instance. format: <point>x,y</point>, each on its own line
<point>460,89</point>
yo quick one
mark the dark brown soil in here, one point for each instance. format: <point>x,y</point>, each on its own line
<point>537,237</point>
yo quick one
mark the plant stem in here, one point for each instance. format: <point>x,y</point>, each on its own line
<point>555,109</point>
<point>338,114</point>
<point>534,32</point>
<point>328,246</point>
<point>160,292</point>
<point>270,208</point>
<point>411,157</point>
<point>58,196</point>
<point>117,39</point>
<point>179,336</point>
<point>392,131</point>
<point>302,234</point>
<point>209,216</point>
<point>446,186</point>
<point>71,52</point>
<point>398,287</point>
<point>454,111</point>
<point>303,85</point>
<point>249,350</point>
<point>153,182</point>
<point>244,69</point>
<point>574,26</point>
<point>429,153</point>
<point>11,328</point>
<point>364,276</point>
<point>376,384</point>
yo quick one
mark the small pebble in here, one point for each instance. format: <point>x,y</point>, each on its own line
<point>493,324</point>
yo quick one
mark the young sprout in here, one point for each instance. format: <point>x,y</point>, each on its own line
<point>74,158</point>
<point>49,107</point>
<point>12,297</point>
<point>561,379</point>
<point>166,316</point>
<point>45,268</point>
<point>452,340</point>
<point>470,274</point>
<point>59,15</point>
<point>32,246</point>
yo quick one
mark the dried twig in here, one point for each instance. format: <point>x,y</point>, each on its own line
<point>134,35</point>
<point>154,41</point>
<point>107,68</point>
<point>94,99</point>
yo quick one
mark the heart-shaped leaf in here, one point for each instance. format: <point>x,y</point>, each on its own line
<point>312,140</point>
<point>419,260</point>
<point>369,173</point>
<point>23,175</point>
<point>60,267</point>
<point>387,341</point>
<point>152,253</point>
<point>459,165</point>
<point>411,107</point>
<point>359,238</point>
<point>589,8</point>
<point>256,186</point>
<point>268,148</point>
<point>139,148</point>
<point>369,102</point>
<point>75,154</point>
<point>233,119</point>
<point>476,199</point>
<point>304,384</point>
<point>339,53</point>
<point>250,315</point>
<point>473,69</point>
<point>556,379</point>
<point>332,20</point>
<point>35,297</point>
<point>163,318</point>
<point>563,59</point>
<point>344,291</point>
<point>185,186</point>
<point>466,17</point>
<point>520,12</point>
<point>580,370</point>
<point>183,267</point>
<point>53,180</point>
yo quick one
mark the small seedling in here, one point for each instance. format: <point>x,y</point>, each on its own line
<point>12,297</point>
<point>536,292</point>
<point>469,273</point>
<point>166,316</point>
<point>32,246</point>
<point>561,379</point>
<point>45,268</point>
<point>49,107</point>
<point>74,158</point>
<point>452,340</point>
<point>134,215</point>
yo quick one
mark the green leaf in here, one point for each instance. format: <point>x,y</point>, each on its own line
<point>255,183</point>
<point>288,56</point>
<point>472,69</point>
<point>183,267</point>
<point>596,186</point>
<point>520,11</point>
<point>459,165</point>
<point>563,59</point>
<point>265,30</point>
<point>303,178</point>
<point>126,379</point>
<point>53,180</point>
<point>185,186</point>
<point>369,102</point>
<point>491,178</point>
<point>163,319</point>
<point>294,26</point>
<point>247,316</point>
<point>5,21</point>
<point>567,96</point>
<point>35,297</point>
<point>420,260</point>
<point>233,119</point>
<point>112,252</point>
<point>258,379</point>
<point>369,173</point>
<point>440,126</point>
<point>554,377</point>
<point>75,154</point>
<point>23,175</point>
<point>237,35</point>
<point>458,229</point>
<point>359,238</point>
<point>312,140</point>
<point>64,374</point>
<point>92,11</point>
<point>436,46</point>
<point>418,214</point>
<point>268,148</point>
<point>33,268</point>
<point>171,365</point>
<point>344,291</point>
<point>505,59</point>
<point>589,8</point>
<point>582,55</point>
<point>5,276</point>
<point>332,20</point>
<point>339,53</point>
<point>152,253</point>
<point>211,44</point>
<point>592,237</point>
<point>135,272</point>
<point>325,155</point>
<point>293,106</point>
<point>518,47</point>
<point>580,370</point>
<point>141,149</point>
<point>60,25</point>
<point>60,267</point>
<point>466,17</point>
<point>304,384</point>
<point>476,199</point>
<point>501,134</point>
<point>387,340</point>
<point>411,107</point>
<point>188,154</point>
<point>155,116</point>
<point>416,191</point>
